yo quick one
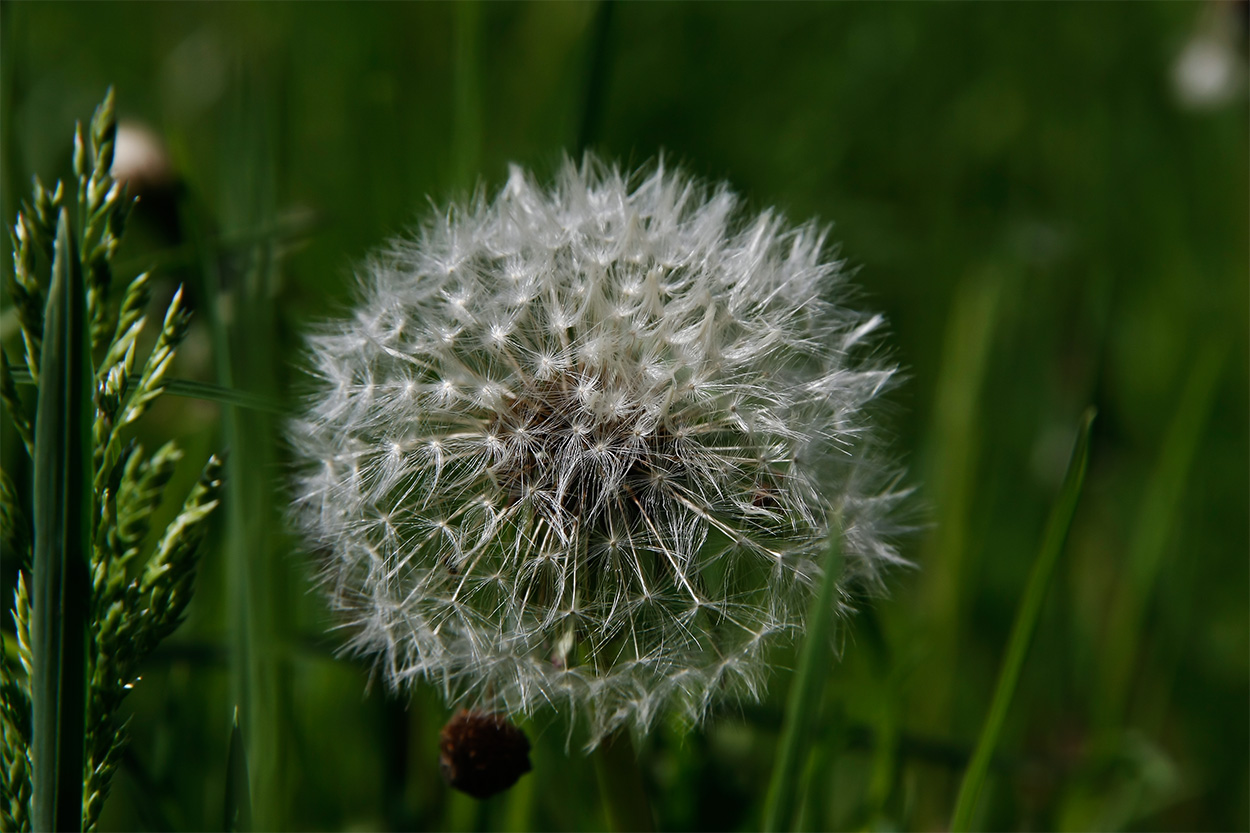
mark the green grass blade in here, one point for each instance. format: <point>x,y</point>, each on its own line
<point>223,395</point>
<point>1160,510</point>
<point>782,800</point>
<point>189,389</point>
<point>1026,623</point>
<point>62,543</point>
<point>239,294</point>
<point>956,439</point>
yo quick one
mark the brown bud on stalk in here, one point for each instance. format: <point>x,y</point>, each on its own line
<point>482,754</point>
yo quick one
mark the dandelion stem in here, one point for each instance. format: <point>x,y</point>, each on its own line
<point>620,785</point>
<point>1026,623</point>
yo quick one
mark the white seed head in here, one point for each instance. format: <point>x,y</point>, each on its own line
<point>581,446</point>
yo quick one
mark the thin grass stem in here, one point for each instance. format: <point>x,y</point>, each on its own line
<point>973,322</point>
<point>1027,615</point>
<point>1160,509</point>
<point>191,389</point>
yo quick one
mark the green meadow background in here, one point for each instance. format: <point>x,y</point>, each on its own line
<point>1023,193</point>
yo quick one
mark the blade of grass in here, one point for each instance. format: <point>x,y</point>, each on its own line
<point>974,320</point>
<point>63,496</point>
<point>245,351</point>
<point>191,389</point>
<point>1027,614</point>
<point>781,802</point>
<point>224,396</point>
<point>1160,509</point>
<point>289,230</point>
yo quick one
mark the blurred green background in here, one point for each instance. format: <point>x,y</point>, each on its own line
<point>1049,201</point>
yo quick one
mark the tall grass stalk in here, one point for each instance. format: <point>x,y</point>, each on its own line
<point>1027,614</point>
<point>1160,510</point>
<point>965,355</point>
<point>782,801</point>
<point>248,344</point>
<point>63,500</point>
<point>189,389</point>
<point>239,293</point>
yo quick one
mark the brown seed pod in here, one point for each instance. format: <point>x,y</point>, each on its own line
<point>482,754</point>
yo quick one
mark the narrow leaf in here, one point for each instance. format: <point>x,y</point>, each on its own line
<point>1160,511</point>
<point>62,500</point>
<point>1026,623</point>
<point>208,391</point>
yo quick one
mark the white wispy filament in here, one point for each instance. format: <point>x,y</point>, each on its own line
<point>581,445</point>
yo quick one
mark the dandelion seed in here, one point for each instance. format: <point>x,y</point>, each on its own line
<point>630,414</point>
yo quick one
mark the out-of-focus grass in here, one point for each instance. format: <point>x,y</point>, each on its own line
<point>1053,540</point>
<point>1045,225</point>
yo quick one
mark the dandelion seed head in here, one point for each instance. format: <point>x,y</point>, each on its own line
<point>581,445</point>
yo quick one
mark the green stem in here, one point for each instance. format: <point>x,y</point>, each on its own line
<point>190,389</point>
<point>63,501</point>
<point>620,785</point>
<point>1026,623</point>
<point>974,320</point>
<point>1160,510</point>
<point>782,801</point>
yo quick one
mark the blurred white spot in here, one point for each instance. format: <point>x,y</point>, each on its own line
<point>1210,71</point>
<point>139,158</point>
